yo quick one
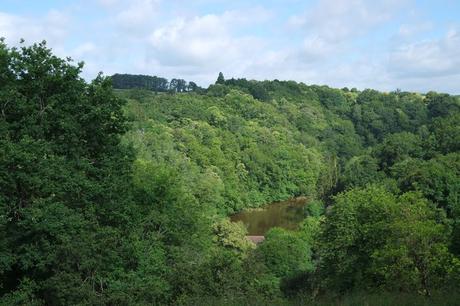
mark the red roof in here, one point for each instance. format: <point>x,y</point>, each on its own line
<point>256,239</point>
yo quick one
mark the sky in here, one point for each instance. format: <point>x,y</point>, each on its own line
<point>386,45</point>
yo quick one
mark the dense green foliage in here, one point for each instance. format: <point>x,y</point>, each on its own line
<point>235,150</point>
<point>122,197</point>
<point>153,83</point>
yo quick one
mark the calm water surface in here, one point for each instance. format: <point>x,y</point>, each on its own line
<point>286,214</point>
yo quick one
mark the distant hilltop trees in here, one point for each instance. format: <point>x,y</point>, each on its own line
<point>153,83</point>
<point>258,89</point>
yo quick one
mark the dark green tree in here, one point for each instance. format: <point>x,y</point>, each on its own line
<point>446,133</point>
<point>285,253</point>
<point>360,171</point>
<point>68,223</point>
<point>374,239</point>
<point>397,147</point>
<point>220,79</point>
<point>441,105</point>
<point>192,86</point>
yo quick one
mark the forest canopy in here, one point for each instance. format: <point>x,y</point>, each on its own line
<point>153,83</point>
<point>122,196</point>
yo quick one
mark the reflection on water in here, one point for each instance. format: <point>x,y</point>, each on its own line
<point>286,214</point>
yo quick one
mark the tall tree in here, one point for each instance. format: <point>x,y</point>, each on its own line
<point>373,239</point>
<point>220,78</point>
<point>64,178</point>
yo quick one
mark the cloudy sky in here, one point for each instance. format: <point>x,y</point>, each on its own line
<point>388,44</point>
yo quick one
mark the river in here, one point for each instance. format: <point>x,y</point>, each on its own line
<point>286,214</point>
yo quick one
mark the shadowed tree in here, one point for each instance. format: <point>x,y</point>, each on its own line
<point>220,79</point>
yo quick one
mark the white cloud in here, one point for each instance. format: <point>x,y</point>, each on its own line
<point>138,13</point>
<point>134,17</point>
<point>329,29</point>
<point>85,49</point>
<point>207,42</point>
<point>109,3</point>
<point>410,29</point>
<point>337,20</point>
<point>427,58</point>
<point>53,27</point>
<point>315,47</point>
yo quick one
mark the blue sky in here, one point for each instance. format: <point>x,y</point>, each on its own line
<point>407,44</point>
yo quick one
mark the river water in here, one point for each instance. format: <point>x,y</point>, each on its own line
<point>286,214</point>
